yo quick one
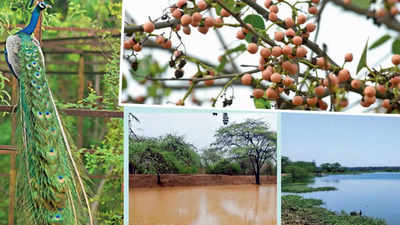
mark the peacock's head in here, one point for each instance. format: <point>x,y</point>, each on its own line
<point>43,5</point>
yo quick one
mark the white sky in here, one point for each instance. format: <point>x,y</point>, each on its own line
<point>342,31</point>
<point>197,127</point>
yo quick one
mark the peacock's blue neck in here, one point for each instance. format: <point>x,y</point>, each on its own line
<point>32,24</point>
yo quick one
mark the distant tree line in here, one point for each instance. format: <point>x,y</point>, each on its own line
<point>301,170</point>
<point>247,148</point>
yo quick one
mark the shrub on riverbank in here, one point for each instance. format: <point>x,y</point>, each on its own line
<point>303,188</point>
<point>297,210</point>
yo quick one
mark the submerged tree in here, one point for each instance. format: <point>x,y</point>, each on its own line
<point>252,140</point>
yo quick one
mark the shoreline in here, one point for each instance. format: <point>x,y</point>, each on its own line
<point>184,180</point>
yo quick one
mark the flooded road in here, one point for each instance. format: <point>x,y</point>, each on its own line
<point>206,205</point>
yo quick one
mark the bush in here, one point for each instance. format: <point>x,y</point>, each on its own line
<point>298,173</point>
<point>224,166</point>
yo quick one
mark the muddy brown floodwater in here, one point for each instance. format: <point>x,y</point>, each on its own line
<point>206,205</point>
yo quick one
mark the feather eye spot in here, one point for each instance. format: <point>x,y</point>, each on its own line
<point>33,82</point>
<point>53,130</point>
<point>37,74</point>
<point>52,151</point>
<point>57,217</point>
<point>28,66</point>
<point>40,115</point>
<point>48,114</point>
<point>61,179</point>
<point>34,64</point>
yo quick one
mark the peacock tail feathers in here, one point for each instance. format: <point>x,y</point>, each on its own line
<point>50,189</point>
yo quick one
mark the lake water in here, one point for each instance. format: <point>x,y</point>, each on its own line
<point>208,205</point>
<point>375,194</point>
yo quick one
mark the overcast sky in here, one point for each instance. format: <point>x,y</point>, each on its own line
<point>349,140</point>
<point>197,127</point>
<point>342,31</point>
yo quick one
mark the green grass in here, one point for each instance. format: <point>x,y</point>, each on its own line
<point>303,188</point>
<point>297,210</point>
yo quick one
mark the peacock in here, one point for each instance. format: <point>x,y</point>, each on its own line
<point>50,188</point>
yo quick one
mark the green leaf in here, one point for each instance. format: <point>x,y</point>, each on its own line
<point>261,103</point>
<point>230,4</point>
<point>363,4</point>
<point>256,21</point>
<point>363,60</point>
<point>380,41</point>
<point>396,46</point>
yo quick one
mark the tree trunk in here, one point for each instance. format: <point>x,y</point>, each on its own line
<point>159,179</point>
<point>258,173</point>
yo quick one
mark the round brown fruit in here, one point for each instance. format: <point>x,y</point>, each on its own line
<point>287,81</point>
<point>265,52</point>
<point>271,93</point>
<point>369,100</point>
<point>297,100</point>
<point>240,35</point>
<point>319,91</point>
<point>301,19</point>
<point>258,93</point>
<point>386,104</point>
<point>343,75</point>
<point>186,30</point>
<point>202,5</point>
<point>297,40</point>
<point>348,57</point>
<point>279,35</point>
<point>148,27</point>
<point>369,91</point>
<point>196,17</point>
<point>203,29</point>
<point>312,101</point>
<point>396,59</point>
<point>246,79</point>
<point>276,51</point>
<point>186,19</point>
<point>252,48</point>
<point>287,50</point>
<point>276,78</point>
<point>137,47</point>
<point>381,89</point>
<point>209,82</point>
<point>177,14</point>
<point>356,84</point>
<point>301,52</point>
<point>322,105</point>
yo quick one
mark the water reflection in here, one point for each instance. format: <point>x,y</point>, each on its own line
<point>212,205</point>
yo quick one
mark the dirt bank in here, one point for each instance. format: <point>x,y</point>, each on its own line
<point>171,180</point>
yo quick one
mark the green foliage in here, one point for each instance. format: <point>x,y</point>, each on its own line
<point>363,4</point>
<point>298,173</point>
<point>298,210</point>
<point>166,154</point>
<point>396,46</point>
<point>303,188</point>
<point>226,167</point>
<point>261,103</point>
<point>257,22</point>
<point>363,60</point>
<point>380,41</point>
